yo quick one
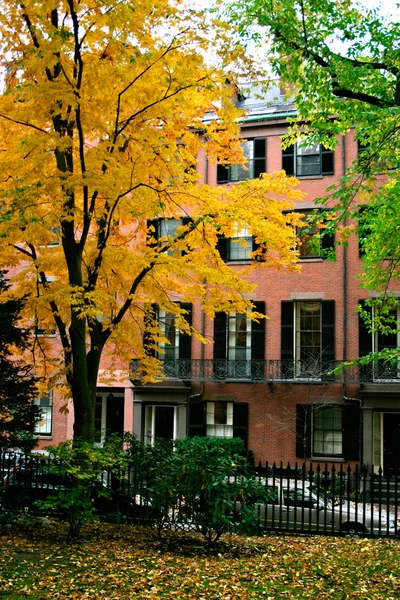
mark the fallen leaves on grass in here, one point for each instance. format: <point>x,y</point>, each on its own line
<point>125,562</point>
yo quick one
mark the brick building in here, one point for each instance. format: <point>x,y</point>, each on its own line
<point>269,382</point>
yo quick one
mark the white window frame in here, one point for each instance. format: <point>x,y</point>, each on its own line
<point>150,422</point>
<point>44,427</point>
<point>304,151</point>
<point>103,425</point>
<point>41,331</point>
<point>392,370</point>
<point>327,441</point>
<point>219,429</point>
<point>168,349</point>
<point>303,240</point>
<point>306,367</point>
<point>241,244</point>
<point>167,231</point>
<point>239,355</point>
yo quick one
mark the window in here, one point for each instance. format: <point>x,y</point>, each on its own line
<point>239,337</point>
<point>43,328</point>
<point>160,422</point>
<point>363,229</point>
<point>376,341</point>
<point>239,247</point>
<point>254,152</point>
<point>301,160</point>
<point>163,230</point>
<point>219,419</point>
<point>108,415</point>
<point>327,431</point>
<point>176,350</point>
<point>309,247</point>
<point>239,345</point>
<point>332,431</point>
<point>307,338</point>
<point>168,229</point>
<point>170,349</point>
<point>44,426</point>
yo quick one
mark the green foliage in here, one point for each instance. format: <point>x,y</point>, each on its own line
<point>18,414</point>
<point>207,484</point>
<point>340,62</point>
<point>79,468</point>
<point>204,484</point>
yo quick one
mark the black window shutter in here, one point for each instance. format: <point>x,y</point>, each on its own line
<point>260,145</point>
<point>185,340</point>
<point>351,432</point>
<point>303,431</point>
<point>365,342</point>
<point>223,247</point>
<point>196,419</point>
<point>328,331</point>
<point>241,421</point>
<point>220,341</point>
<point>148,342</point>
<point>327,161</point>
<point>222,174</point>
<point>363,231</point>
<point>256,246</point>
<point>258,334</point>
<point>153,234</point>
<point>287,330</point>
<point>288,160</point>
<point>186,221</point>
<point>364,334</point>
<point>327,241</point>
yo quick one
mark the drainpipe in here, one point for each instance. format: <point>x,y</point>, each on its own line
<point>344,351</point>
<point>345,311</point>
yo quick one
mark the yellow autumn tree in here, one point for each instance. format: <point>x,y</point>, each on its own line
<point>101,121</point>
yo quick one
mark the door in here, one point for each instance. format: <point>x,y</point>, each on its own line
<point>391,442</point>
<point>164,422</point>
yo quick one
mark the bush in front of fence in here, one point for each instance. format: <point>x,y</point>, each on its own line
<point>205,485</point>
<point>80,467</point>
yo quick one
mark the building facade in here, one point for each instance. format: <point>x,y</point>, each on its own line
<point>269,382</point>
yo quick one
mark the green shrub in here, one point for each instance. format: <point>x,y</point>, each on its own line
<point>81,467</point>
<point>206,484</point>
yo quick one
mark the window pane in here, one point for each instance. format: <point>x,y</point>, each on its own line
<point>239,340</point>
<point>44,426</point>
<point>308,165</point>
<point>168,229</point>
<point>303,150</point>
<point>171,333</point>
<point>304,245</point>
<point>308,337</point>
<point>308,160</point>
<point>327,431</point>
<point>241,246</point>
<point>219,419</point>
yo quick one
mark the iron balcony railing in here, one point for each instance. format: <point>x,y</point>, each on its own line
<point>270,371</point>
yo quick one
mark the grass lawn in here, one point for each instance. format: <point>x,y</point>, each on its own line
<point>112,561</point>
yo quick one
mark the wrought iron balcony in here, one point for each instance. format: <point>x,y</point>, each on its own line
<point>270,371</point>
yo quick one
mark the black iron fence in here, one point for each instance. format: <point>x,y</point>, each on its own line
<point>300,499</point>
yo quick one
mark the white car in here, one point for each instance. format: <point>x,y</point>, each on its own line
<point>298,506</point>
